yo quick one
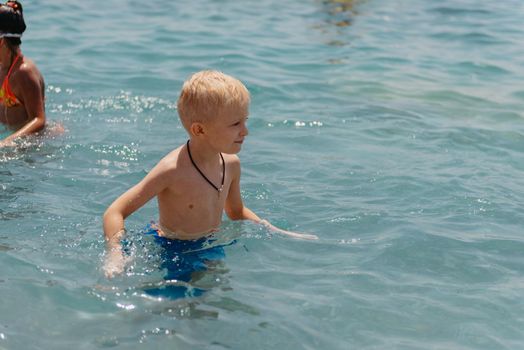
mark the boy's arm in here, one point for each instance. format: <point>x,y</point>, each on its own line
<point>121,208</point>
<point>236,210</point>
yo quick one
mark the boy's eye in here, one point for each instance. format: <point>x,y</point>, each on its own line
<point>239,122</point>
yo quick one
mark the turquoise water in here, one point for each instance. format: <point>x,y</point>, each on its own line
<point>394,130</point>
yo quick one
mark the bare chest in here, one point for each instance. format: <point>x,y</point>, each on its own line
<point>197,194</point>
<point>192,205</point>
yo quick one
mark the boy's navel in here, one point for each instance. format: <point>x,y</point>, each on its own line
<point>190,206</point>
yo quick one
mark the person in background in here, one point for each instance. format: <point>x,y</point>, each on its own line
<point>22,93</point>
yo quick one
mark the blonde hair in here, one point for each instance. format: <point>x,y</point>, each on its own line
<point>205,94</point>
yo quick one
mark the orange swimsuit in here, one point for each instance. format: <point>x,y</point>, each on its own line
<point>7,98</point>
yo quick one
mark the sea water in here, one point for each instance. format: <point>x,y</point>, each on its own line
<point>392,129</point>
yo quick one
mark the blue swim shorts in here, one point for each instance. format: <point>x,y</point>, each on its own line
<point>181,259</point>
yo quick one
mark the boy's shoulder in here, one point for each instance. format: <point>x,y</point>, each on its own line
<point>231,158</point>
<point>175,162</point>
<point>170,161</point>
<point>232,164</point>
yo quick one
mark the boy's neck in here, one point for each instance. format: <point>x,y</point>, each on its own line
<point>202,152</point>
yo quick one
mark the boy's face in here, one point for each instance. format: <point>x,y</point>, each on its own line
<point>228,130</point>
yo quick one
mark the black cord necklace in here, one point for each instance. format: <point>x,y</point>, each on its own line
<point>219,189</point>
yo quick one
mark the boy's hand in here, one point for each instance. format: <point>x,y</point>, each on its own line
<point>4,143</point>
<point>115,263</point>
<point>289,233</point>
<point>297,235</point>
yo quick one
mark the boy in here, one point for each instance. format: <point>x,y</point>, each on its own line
<point>196,182</point>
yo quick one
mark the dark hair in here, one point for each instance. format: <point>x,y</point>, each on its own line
<point>12,21</point>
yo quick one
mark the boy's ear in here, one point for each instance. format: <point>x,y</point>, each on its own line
<point>197,129</point>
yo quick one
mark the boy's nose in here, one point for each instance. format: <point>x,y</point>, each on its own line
<point>245,131</point>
